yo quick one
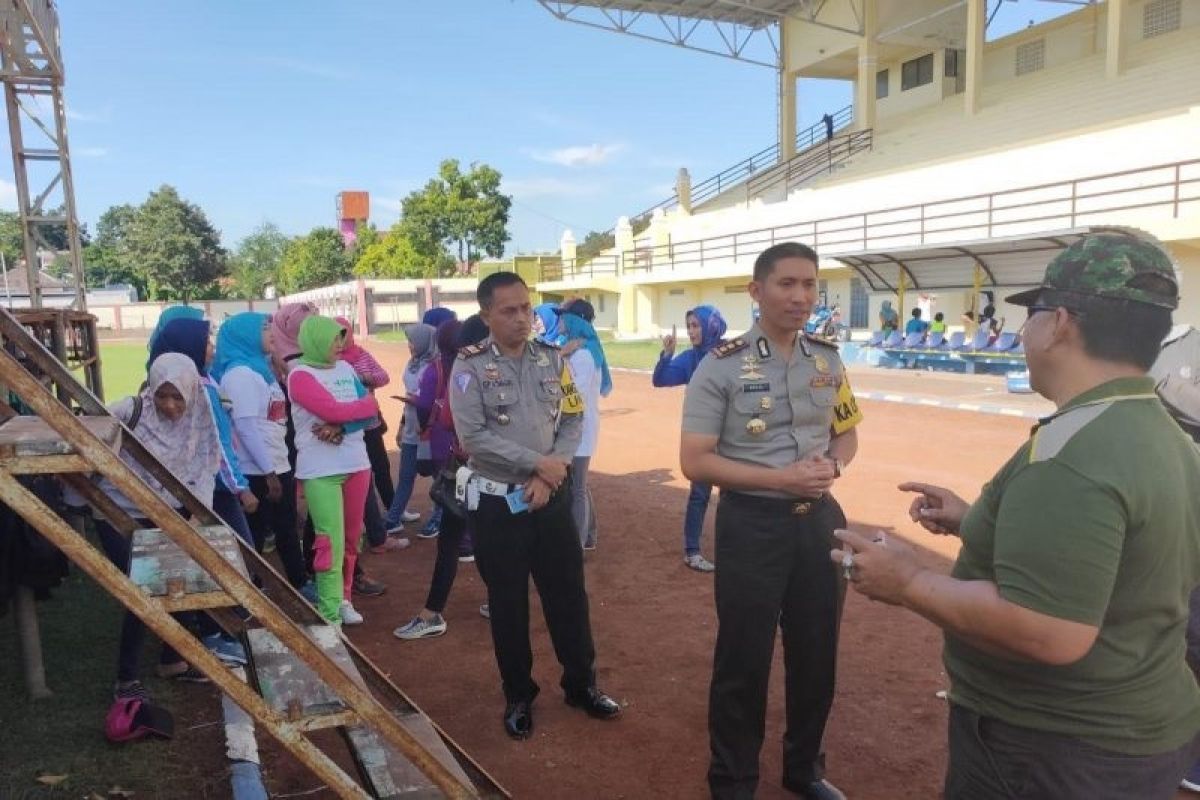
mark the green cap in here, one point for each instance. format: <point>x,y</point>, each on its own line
<point>1117,266</point>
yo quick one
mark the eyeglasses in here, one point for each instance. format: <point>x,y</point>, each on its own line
<point>1031,310</point>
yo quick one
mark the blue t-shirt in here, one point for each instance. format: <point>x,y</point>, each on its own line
<point>916,326</point>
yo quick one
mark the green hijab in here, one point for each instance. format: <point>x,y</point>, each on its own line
<point>316,338</point>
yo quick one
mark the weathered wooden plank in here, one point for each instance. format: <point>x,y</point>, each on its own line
<point>388,772</point>
<point>46,465</point>
<point>32,436</point>
<point>161,568</point>
<point>292,689</point>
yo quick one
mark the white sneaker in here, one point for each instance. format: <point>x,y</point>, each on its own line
<point>348,614</point>
<point>421,628</point>
<point>410,516</point>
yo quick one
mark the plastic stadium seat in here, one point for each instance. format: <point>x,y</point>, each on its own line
<point>876,339</point>
<point>957,340</point>
<point>936,340</point>
<point>912,340</point>
<point>895,339</point>
<point>1004,343</point>
<point>980,342</point>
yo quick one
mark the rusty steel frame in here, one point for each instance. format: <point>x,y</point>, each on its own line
<point>371,711</point>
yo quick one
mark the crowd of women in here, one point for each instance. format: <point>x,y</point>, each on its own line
<point>274,423</point>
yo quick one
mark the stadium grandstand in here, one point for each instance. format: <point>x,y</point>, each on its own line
<point>962,167</point>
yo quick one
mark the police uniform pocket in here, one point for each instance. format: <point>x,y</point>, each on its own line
<point>824,396</point>
<point>758,404</point>
<point>549,391</point>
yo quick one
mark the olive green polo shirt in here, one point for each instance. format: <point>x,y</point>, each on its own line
<point>1096,519</point>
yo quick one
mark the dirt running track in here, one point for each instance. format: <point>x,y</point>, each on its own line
<point>654,624</point>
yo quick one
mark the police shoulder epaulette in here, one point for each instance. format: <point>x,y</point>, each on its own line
<point>547,345</point>
<point>729,348</point>
<point>819,340</point>
<point>472,350</point>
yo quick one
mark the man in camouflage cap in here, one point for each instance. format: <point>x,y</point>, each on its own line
<point>1064,615</point>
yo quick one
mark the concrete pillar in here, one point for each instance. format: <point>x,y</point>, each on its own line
<point>976,23</point>
<point>362,300</point>
<point>623,234</point>
<point>868,65</point>
<point>1114,51</point>
<point>660,239</point>
<point>567,249</point>
<point>683,189</point>
<point>787,115</point>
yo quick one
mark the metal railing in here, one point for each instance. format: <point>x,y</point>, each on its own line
<point>813,163</point>
<point>608,264</point>
<point>1026,210</point>
<point>767,157</point>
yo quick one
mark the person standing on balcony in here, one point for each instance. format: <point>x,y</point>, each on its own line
<point>705,329</point>
<point>828,120</point>
<point>770,418</point>
<point>1065,614</point>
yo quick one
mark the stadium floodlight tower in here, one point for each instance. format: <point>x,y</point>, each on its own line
<point>31,68</point>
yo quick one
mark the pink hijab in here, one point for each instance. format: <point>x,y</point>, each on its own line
<point>351,350</point>
<point>285,328</point>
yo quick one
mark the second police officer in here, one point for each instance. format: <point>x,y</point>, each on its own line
<point>520,420</point>
<point>770,419</point>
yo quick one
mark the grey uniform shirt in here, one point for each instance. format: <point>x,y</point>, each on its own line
<point>509,412</point>
<point>765,410</point>
<point>1177,372</point>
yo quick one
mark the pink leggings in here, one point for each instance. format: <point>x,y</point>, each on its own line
<point>336,505</point>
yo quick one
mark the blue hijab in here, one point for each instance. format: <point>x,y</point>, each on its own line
<point>187,336</point>
<point>169,314</point>
<point>437,315</point>
<point>239,344</point>
<point>551,333</point>
<point>712,326</point>
<point>579,328</point>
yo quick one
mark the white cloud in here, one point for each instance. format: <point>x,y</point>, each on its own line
<point>389,204</point>
<point>550,187</point>
<point>580,155</point>
<point>8,195</point>
<point>91,152</point>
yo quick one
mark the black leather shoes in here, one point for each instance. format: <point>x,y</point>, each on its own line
<point>518,719</point>
<point>815,790</point>
<point>595,702</point>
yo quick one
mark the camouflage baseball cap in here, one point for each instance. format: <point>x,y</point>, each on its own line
<point>1117,266</point>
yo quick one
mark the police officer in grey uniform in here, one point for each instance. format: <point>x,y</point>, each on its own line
<point>519,418</point>
<point>769,418</point>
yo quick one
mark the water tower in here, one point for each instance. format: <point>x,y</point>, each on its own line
<point>353,208</point>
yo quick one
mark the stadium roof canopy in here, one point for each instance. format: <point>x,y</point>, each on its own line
<point>1017,261</point>
<point>740,29</point>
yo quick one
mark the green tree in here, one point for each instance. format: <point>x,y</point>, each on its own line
<point>13,246</point>
<point>395,256</point>
<point>317,259</point>
<point>256,261</point>
<point>463,211</point>
<point>174,246</point>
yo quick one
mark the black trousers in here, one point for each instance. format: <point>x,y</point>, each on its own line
<point>509,548</point>
<point>773,571</point>
<point>445,568</point>
<point>381,467</point>
<point>992,760</point>
<point>278,517</point>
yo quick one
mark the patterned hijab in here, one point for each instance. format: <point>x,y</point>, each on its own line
<point>712,326</point>
<point>188,447</point>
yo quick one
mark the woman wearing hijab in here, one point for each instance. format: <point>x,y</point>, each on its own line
<point>889,319</point>
<point>422,347</point>
<point>335,474</point>
<point>589,371</point>
<point>168,315</point>
<point>232,497</point>
<point>705,329</point>
<point>258,409</point>
<point>373,376</point>
<point>435,316</point>
<point>432,406</point>
<point>171,417</point>
<point>546,326</point>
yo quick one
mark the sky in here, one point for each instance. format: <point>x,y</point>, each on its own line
<point>263,111</point>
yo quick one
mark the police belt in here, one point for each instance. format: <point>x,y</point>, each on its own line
<point>497,488</point>
<point>797,507</point>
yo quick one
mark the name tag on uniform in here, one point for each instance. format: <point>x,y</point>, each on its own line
<point>756,387</point>
<point>819,381</point>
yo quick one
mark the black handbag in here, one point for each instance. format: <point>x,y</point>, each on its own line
<point>442,492</point>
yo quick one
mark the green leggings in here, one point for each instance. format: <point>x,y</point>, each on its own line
<point>336,504</point>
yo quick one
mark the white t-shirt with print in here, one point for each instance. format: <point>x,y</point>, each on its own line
<point>317,459</point>
<point>251,396</point>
